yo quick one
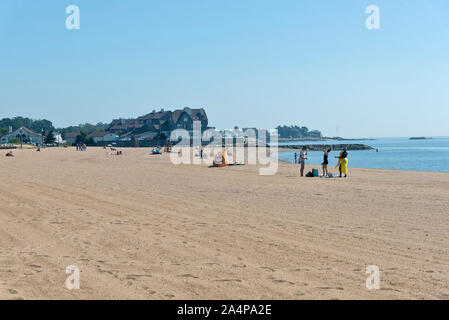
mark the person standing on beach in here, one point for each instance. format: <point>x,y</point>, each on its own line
<point>343,162</point>
<point>325,161</point>
<point>302,159</point>
<point>296,158</point>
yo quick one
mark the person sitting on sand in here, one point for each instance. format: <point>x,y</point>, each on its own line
<point>325,161</point>
<point>9,154</point>
<point>343,162</point>
<point>302,159</point>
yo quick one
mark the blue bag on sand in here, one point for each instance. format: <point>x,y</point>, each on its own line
<point>315,172</point>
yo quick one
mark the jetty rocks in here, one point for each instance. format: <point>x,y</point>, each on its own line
<point>320,147</point>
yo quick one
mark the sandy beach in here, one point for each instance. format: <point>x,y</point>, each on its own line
<point>139,227</point>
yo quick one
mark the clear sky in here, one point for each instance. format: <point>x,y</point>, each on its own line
<point>251,63</point>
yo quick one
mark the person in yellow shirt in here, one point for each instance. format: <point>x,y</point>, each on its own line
<point>343,162</point>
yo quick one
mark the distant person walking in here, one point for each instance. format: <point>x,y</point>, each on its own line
<point>343,162</point>
<point>302,159</point>
<point>325,161</point>
<point>296,158</point>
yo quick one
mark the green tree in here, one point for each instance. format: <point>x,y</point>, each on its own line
<point>50,138</point>
<point>297,132</point>
<point>81,138</point>
<point>14,141</point>
<point>90,141</point>
<point>34,125</point>
<point>84,138</point>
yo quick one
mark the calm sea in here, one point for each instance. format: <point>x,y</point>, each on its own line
<point>393,153</point>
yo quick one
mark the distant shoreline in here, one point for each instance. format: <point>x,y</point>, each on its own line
<point>323,139</point>
<point>332,147</point>
<point>420,138</point>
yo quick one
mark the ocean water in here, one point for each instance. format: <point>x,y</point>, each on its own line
<point>393,153</point>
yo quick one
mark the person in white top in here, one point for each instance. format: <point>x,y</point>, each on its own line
<point>302,159</point>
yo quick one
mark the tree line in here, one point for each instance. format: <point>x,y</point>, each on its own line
<point>46,128</point>
<point>297,132</point>
<point>17,122</point>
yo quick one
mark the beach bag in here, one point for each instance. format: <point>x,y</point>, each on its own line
<point>315,172</point>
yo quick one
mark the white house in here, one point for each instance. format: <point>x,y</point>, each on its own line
<point>104,137</point>
<point>70,137</point>
<point>58,138</point>
<point>23,134</point>
<point>127,137</point>
<point>146,135</point>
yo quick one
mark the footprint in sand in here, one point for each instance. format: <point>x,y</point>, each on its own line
<point>136,276</point>
<point>35,267</point>
<point>300,270</point>
<point>283,281</point>
<point>330,288</point>
<point>229,280</point>
<point>389,289</point>
<point>188,275</point>
<point>12,291</point>
<point>268,268</point>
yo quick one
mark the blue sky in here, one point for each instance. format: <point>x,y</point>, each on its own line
<point>248,63</point>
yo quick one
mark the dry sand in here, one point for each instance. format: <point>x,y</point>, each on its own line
<point>139,227</point>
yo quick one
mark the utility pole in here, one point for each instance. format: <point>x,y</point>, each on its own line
<point>21,138</point>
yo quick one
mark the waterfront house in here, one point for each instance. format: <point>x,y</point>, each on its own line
<point>104,137</point>
<point>70,137</point>
<point>22,134</point>
<point>158,124</point>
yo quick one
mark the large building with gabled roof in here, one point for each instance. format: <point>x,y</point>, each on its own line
<point>22,134</point>
<point>158,124</point>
